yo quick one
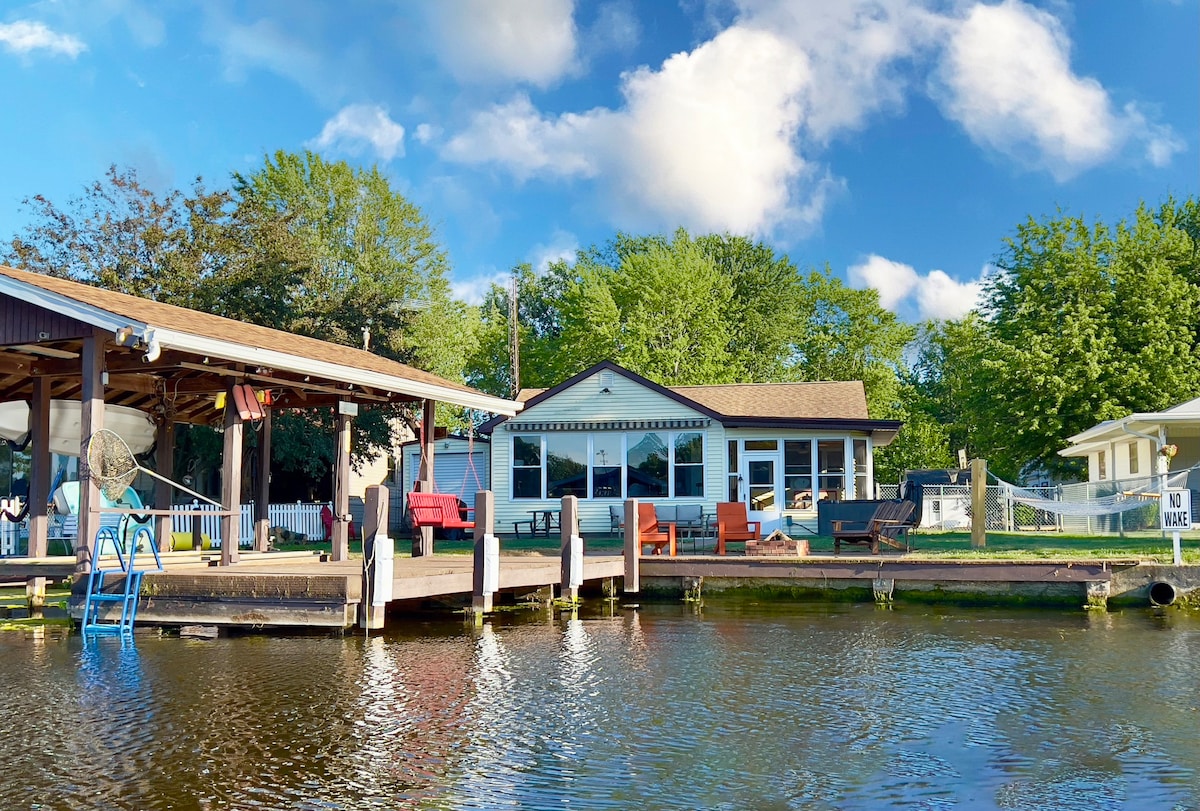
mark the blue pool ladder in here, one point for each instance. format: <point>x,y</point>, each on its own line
<point>126,592</point>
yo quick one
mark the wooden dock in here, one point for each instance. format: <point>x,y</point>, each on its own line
<point>306,590</point>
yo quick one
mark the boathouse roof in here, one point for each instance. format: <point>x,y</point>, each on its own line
<point>156,351</point>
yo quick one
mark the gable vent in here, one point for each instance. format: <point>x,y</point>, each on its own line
<point>607,379</point>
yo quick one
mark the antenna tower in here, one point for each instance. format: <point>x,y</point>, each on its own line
<point>514,337</point>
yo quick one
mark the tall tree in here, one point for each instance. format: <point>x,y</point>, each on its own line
<point>301,244</point>
<point>1084,322</point>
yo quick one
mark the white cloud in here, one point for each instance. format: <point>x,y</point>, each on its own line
<point>616,27</point>
<point>516,135</point>
<point>941,297</point>
<point>1006,78</point>
<point>563,246</point>
<point>426,133</point>
<point>731,135</point>
<point>24,36</point>
<point>933,296</point>
<point>706,141</point>
<point>490,41</point>
<point>858,50</point>
<point>358,125</point>
<point>893,280</point>
<point>474,289</point>
<point>709,139</point>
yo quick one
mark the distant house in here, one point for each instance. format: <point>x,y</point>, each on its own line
<point>608,434</point>
<point>1129,447</point>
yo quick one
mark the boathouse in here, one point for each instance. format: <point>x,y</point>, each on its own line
<point>62,340</point>
<point>608,434</point>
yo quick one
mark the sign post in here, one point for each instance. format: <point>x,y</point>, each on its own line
<point>1175,514</point>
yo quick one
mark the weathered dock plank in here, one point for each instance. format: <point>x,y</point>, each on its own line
<point>875,568</point>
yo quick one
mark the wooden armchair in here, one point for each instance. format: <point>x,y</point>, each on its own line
<point>733,525</point>
<point>888,525</point>
<point>652,533</point>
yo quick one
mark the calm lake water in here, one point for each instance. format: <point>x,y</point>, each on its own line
<point>735,706</point>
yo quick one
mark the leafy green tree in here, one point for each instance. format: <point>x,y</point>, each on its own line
<point>846,335</point>
<point>302,245</point>
<point>118,235</point>
<point>1083,323</point>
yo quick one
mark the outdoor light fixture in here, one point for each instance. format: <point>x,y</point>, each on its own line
<point>153,348</point>
<point>606,390</point>
<point>124,334</point>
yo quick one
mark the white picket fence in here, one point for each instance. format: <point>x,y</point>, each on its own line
<point>300,518</point>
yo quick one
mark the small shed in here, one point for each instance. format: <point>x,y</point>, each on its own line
<point>462,466</point>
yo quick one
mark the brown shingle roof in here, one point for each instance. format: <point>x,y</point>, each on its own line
<point>205,325</point>
<point>824,400</point>
<point>844,400</point>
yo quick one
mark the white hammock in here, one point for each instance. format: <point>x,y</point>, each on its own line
<point>1102,505</point>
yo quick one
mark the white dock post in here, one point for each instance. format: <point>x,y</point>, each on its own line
<point>379,558</point>
<point>485,580</point>
<point>571,577</point>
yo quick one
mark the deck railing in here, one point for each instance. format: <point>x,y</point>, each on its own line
<point>300,518</point>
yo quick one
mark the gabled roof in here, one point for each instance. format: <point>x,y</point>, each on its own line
<point>821,400</point>
<point>1143,424</point>
<point>171,329</point>
<point>833,405</point>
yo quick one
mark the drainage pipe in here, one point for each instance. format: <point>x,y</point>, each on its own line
<point>1161,593</point>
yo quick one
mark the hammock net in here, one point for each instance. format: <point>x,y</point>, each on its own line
<point>1137,494</point>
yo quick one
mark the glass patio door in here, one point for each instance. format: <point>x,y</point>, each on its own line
<point>763,496</point>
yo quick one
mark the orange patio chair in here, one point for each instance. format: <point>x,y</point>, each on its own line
<point>734,526</point>
<point>652,533</point>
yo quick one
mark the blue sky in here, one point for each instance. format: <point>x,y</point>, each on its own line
<point>897,140</point>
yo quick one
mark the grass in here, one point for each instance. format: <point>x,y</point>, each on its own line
<point>1042,546</point>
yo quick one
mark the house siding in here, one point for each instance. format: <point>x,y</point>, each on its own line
<point>584,401</point>
<point>629,401</point>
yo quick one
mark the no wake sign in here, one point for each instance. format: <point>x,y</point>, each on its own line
<point>1176,512</point>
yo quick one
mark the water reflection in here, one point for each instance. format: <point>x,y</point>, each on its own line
<point>737,707</point>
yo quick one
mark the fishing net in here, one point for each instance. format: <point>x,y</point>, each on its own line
<point>111,463</point>
<point>113,466</point>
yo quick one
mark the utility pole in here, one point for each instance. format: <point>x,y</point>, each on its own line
<point>514,337</point>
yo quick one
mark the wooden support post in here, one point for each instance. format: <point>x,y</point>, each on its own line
<point>39,492</point>
<point>91,419</point>
<point>39,471</point>
<point>571,577</point>
<point>341,483</point>
<point>978,503</point>
<point>423,541</point>
<point>485,578</point>
<point>379,558</point>
<point>164,461</point>
<point>262,496</point>
<point>231,481</point>
<point>633,549</point>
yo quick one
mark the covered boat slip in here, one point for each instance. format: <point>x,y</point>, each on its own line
<point>65,341</point>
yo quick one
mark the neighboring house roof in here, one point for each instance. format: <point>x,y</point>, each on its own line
<point>169,327</point>
<point>833,405</point>
<point>450,438</point>
<point>1182,419</point>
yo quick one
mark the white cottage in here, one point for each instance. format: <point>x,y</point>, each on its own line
<point>1129,447</point>
<point>608,434</point>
